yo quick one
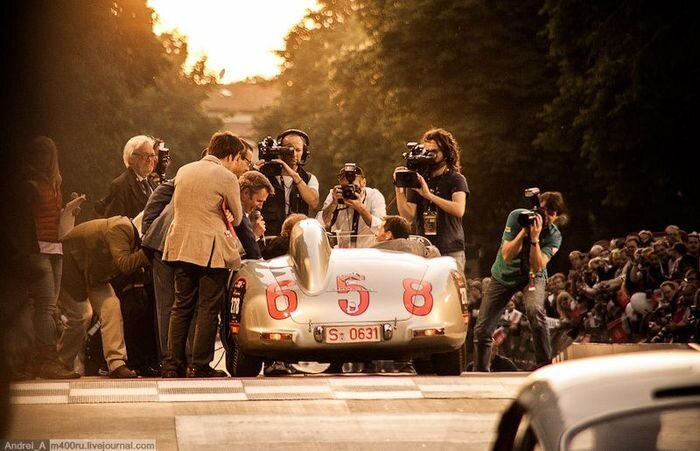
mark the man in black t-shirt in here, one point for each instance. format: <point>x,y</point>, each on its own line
<point>438,205</point>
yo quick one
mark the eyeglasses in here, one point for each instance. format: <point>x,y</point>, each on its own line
<point>147,156</point>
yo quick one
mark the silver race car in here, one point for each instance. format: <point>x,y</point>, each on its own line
<point>333,305</point>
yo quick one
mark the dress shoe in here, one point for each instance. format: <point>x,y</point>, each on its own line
<point>205,372</point>
<point>123,373</point>
<point>149,371</point>
<point>170,374</point>
<point>53,369</point>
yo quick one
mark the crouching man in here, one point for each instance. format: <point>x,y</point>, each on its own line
<point>94,252</point>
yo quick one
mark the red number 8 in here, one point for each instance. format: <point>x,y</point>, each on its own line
<point>410,293</point>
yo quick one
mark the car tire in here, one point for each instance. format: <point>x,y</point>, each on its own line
<point>242,364</point>
<point>450,363</point>
<point>423,366</point>
<point>335,368</point>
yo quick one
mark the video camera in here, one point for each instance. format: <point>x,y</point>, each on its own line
<point>268,150</point>
<point>418,161</point>
<point>163,154</point>
<point>527,217</point>
<point>350,172</point>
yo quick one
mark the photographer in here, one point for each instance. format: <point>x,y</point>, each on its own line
<point>295,189</point>
<point>353,207</point>
<point>439,201</point>
<point>530,240</point>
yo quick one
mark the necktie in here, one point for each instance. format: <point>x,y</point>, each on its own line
<point>145,187</point>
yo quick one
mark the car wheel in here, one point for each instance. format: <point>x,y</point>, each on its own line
<point>423,366</point>
<point>242,364</point>
<point>450,363</point>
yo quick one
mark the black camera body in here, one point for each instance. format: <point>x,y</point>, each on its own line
<point>352,190</point>
<point>163,154</point>
<point>418,161</point>
<point>527,217</point>
<point>268,150</point>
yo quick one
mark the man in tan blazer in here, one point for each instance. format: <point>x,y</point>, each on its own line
<point>95,252</point>
<point>202,251</point>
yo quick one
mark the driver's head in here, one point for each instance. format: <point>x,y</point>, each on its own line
<point>393,227</point>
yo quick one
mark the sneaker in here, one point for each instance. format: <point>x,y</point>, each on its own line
<point>206,372</point>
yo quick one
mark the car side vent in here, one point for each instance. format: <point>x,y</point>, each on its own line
<point>678,392</point>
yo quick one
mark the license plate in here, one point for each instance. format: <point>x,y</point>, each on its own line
<point>352,334</point>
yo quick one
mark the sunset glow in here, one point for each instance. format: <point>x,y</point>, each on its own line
<point>236,35</point>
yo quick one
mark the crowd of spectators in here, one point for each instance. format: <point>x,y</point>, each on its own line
<point>642,288</point>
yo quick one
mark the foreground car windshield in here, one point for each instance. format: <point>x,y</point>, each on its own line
<point>671,429</point>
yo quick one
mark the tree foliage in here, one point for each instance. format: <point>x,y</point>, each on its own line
<point>365,77</point>
<point>628,82</point>
<point>103,77</point>
<point>591,98</point>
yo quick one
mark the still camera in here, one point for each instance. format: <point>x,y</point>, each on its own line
<point>527,217</point>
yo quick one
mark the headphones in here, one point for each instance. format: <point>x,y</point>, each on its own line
<point>293,131</point>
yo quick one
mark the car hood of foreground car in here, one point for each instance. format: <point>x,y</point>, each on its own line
<point>569,394</point>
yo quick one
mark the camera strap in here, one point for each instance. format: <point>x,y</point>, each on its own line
<point>355,222</point>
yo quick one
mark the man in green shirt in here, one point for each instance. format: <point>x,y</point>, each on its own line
<point>538,241</point>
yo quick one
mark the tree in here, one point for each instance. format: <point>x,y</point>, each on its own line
<point>104,76</point>
<point>628,87</point>
<point>367,76</point>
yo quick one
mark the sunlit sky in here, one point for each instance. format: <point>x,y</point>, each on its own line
<point>239,36</point>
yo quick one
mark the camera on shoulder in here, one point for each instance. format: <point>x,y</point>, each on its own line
<point>527,217</point>
<point>418,161</point>
<point>268,150</point>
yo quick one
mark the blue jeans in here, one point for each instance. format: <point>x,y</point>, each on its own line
<point>44,290</point>
<point>492,306</point>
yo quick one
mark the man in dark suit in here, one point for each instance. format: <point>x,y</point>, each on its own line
<point>255,188</point>
<point>129,192</point>
<point>94,253</point>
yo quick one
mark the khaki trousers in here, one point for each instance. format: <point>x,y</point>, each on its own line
<point>105,303</point>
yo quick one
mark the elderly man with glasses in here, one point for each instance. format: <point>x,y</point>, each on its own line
<point>129,192</point>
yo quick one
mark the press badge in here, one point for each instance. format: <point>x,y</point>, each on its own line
<point>429,223</point>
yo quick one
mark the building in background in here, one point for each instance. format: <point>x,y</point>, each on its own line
<point>238,103</point>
